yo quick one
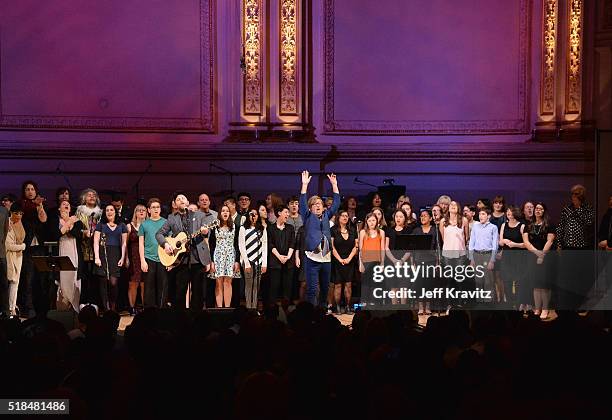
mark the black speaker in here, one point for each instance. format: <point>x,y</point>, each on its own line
<point>221,317</point>
<point>390,193</point>
<point>68,318</point>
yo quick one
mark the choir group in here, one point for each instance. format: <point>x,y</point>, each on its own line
<point>283,251</point>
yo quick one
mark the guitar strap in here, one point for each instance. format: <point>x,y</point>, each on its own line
<point>185,222</point>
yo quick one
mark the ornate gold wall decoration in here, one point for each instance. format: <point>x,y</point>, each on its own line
<point>573,94</point>
<point>288,31</point>
<point>252,28</point>
<point>547,96</point>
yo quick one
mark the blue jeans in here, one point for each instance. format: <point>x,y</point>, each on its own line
<point>316,273</point>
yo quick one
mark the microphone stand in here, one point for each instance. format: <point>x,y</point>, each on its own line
<point>437,229</point>
<point>227,171</point>
<point>360,182</point>
<point>136,186</point>
<point>257,271</point>
<point>58,171</point>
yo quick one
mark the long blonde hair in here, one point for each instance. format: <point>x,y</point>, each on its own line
<point>135,217</point>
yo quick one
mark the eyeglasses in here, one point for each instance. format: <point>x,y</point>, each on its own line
<point>18,213</point>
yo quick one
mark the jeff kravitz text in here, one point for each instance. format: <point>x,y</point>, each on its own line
<point>436,293</point>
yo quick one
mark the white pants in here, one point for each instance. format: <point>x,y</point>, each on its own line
<point>12,289</point>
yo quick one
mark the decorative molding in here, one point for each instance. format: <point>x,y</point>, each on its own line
<point>430,127</point>
<point>328,78</point>
<point>288,71</point>
<point>573,89</point>
<point>253,33</point>
<point>296,152</point>
<point>549,44</point>
<point>206,123</point>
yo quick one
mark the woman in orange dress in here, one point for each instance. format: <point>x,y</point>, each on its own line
<point>371,254</point>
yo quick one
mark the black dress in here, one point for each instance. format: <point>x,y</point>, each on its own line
<point>498,221</point>
<point>344,247</point>
<point>428,258</point>
<point>392,234</point>
<point>513,259</point>
<point>541,275</point>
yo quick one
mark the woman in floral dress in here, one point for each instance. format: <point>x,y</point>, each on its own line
<point>223,244</point>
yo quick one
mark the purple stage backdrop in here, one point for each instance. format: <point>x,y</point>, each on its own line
<point>441,96</point>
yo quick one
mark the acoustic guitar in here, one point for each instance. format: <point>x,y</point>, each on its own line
<point>180,244</point>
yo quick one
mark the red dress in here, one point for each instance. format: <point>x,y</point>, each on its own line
<point>134,255</point>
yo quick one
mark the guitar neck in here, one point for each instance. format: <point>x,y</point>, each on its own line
<point>194,235</point>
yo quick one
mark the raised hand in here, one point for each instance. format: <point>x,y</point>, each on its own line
<point>332,179</point>
<point>306,177</point>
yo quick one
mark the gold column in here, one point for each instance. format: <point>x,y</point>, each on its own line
<point>288,57</point>
<point>252,40</point>
<point>275,97</point>
<point>549,54</point>
<point>573,86</point>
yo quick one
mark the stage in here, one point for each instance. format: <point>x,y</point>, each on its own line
<point>345,319</point>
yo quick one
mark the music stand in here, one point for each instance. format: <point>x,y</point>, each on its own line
<point>410,242</point>
<point>53,264</point>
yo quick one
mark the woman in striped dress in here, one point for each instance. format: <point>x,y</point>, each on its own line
<point>253,245</point>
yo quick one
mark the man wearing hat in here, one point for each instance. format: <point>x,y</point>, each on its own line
<point>8,200</point>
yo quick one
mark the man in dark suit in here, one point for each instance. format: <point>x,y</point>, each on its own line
<point>124,213</point>
<point>194,263</point>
